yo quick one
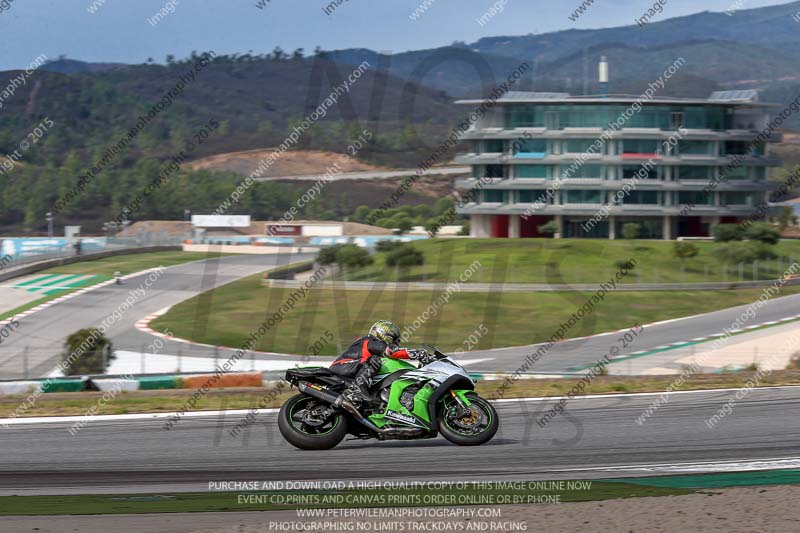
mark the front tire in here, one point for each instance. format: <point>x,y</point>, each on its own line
<point>473,430</point>
<point>306,437</point>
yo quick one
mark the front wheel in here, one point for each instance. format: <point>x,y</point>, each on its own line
<point>476,428</point>
<point>300,423</point>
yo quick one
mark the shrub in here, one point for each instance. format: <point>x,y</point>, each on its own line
<point>83,352</point>
<point>726,232</point>
<point>465,228</point>
<point>763,251</point>
<point>350,255</point>
<point>736,252</point>
<point>631,230</point>
<point>387,245</point>
<point>405,256</point>
<point>549,228</point>
<point>623,264</point>
<point>327,255</point>
<point>684,250</point>
<point>763,232</point>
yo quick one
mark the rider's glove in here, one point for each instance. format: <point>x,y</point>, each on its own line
<point>420,355</point>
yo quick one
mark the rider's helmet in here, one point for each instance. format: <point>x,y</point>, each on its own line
<point>386,331</point>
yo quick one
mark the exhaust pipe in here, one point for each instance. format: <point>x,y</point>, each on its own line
<point>338,400</point>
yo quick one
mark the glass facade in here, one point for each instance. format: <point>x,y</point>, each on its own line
<point>642,197</point>
<point>639,172</point>
<point>695,148</point>
<point>558,116</point>
<point>584,197</point>
<point>531,196</point>
<point>696,198</point>
<point>578,146</point>
<point>532,171</point>
<point>640,146</point>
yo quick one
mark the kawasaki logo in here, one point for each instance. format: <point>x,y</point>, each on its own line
<point>401,417</point>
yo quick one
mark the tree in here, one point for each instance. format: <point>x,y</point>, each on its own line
<point>298,54</point>
<point>786,218</point>
<point>350,255</point>
<point>403,224</point>
<point>726,232</point>
<point>631,230</point>
<point>327,255</point>
<point>85,352</point>
<point>387,245</point>
<point>549,228</point>
<point>684,250</point>
<point>735,252</point>
<point>432,226</point>
<point>443,205</point>
<point>278,54</point>
<point>361,213</point>
<point>762,232</point>
<point>405,256</point>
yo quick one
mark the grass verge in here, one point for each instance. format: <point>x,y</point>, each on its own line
<point>160,401</point>
<point>570,261</point>
<point>512,319</point>
<point>275,500</point>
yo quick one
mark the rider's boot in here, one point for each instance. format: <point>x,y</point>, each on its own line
<point>358,391</point>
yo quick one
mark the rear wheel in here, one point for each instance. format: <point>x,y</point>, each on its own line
<point>302,425</point>
<point>473,429</point>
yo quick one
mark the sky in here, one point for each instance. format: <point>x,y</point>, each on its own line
<point>119,31</point>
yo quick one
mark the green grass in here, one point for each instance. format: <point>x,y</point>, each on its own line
<point>127,264</point>
<point>163,401</point>
<point>569,261</point>
<point>512,319</point>
<point>105,268</point>
<point>320,499</point>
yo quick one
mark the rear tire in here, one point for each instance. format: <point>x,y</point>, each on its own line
<point>486,426</point>
<point>307,437</point>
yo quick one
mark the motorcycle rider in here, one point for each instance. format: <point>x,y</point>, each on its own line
<point>362,359</point>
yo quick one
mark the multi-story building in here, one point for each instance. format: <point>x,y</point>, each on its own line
<point>676,166</point>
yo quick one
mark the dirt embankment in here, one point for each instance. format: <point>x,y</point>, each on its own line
<point>292,163</point>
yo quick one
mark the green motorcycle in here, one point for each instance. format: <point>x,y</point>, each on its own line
<point>408,403</point>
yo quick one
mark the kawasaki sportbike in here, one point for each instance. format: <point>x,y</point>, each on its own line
<point>407,403</point>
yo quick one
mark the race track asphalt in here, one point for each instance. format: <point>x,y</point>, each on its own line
<point>42,333</point>
<point>595,438</point>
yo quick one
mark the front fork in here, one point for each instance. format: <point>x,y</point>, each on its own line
<point>462,402</point>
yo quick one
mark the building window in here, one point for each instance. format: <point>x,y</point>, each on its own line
<point>694,173</point>
<point>583,171</point>
<point>529,146</point>
<point>493,146</point>
<point>735,173</point>
<point>492,196</point>
<point>532,196</point>
<point>584,197</point>
<point>736,198</point>
<point>642,197</point>
<point>639,172</point>
<point>676,119</point>
<point>532,171</point>
<point>495,171</point>
<point>639,146</point>
<point>696,198</point>
<point>552,120</point>
<point>695,148</point>
<point>579,146</point>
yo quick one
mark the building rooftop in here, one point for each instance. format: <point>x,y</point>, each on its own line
<point>741,98</point>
